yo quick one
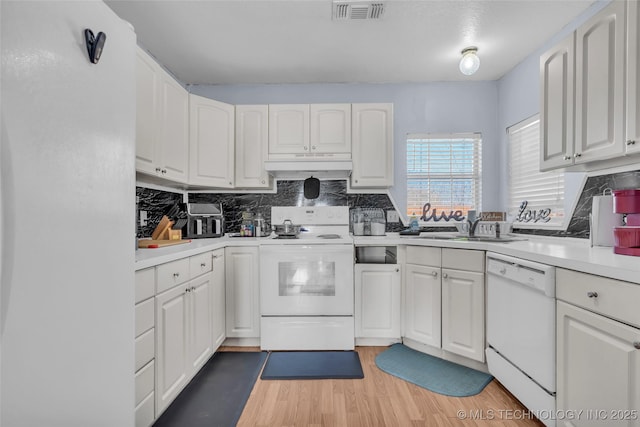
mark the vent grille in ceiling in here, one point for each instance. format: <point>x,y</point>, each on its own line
<point>345,10</point>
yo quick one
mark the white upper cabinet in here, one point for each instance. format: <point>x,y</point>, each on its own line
<point>372,145</point>
<point>289,129</point>
<point>556,105</point>
<point>211,143</point>
<point>633,78</point>
<point>583,93</point>
<point>330,127</point>
<point>252,146</point>
<point>315,131</point>
<point>600,53</point>
<point>162,122</point>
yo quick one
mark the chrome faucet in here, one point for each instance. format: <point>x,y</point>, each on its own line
<point>472,226</point>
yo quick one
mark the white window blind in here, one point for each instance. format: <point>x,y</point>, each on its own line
<point>444,171</point>
<point>542,191</point>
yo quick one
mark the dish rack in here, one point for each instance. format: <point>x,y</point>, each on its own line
<point>485,228</point>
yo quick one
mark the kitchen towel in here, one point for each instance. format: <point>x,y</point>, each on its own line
<point>603,220</point>
<point>432,373</point>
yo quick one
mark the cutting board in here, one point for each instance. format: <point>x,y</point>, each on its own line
<point>152,244</point>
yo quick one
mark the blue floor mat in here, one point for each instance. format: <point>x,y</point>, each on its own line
<point>432,373</point>
<point>301,365</point>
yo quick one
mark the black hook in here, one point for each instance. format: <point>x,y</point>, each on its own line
<point>95,44</point>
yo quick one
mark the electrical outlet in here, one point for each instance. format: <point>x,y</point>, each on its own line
<point>143,218</point>
<point>392,216</point>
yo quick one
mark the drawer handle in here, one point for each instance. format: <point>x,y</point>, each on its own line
<point>592,294</point>
<point>630,142</point>
<point>188,290</point>
<point>203,265</point>
<point>566,158</point>
<point>636,344</point>
<point>176,275</point>
<point>434,274</point>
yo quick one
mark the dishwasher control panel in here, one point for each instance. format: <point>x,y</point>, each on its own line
<point>526,273</point>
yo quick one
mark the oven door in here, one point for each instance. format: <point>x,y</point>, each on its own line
<point>307,280</point>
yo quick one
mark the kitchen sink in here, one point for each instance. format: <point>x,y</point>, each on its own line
<point>459,238</point>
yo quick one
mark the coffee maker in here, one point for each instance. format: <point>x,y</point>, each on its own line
<point>204,220</point>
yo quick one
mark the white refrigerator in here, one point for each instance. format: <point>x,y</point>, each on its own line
<point>67,187</point>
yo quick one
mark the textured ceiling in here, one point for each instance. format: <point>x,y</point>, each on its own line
<point>297,41</point>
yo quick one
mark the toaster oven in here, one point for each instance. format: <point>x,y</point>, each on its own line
<point>204,220</point>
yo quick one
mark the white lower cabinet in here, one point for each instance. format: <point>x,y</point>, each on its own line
<point>218,301</point>
<point>183,309</point>
<point>463,313</point>
<point>422,312</point>
<point>242,292</point>
<point>598,341</point>
<point>377,301</point>
<point>444,300</point>
<point>144,347</point>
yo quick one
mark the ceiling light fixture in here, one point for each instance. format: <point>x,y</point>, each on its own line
<point>470,62</point>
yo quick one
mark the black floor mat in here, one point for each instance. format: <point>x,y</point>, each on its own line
<point>217,394</point>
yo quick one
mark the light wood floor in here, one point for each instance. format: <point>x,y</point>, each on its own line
<point>379,399</point>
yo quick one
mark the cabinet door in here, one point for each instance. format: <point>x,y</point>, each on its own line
<point>372,145</point>
<point>377,309</point>
<point>172,337</point>
<point>463,313</point>
<point>289,129</point>
<point>600,45</point>
<point>211,143</point>
<point>242,292</point>
<point>218,302</point>
<point>598,368</point>
<point>252,146</point>
<point>174,125</point>
<point>633,78</point>
<point>556,105</point>
<point>201,339</point>
<point>422,304</point>
<point>330,127</point>
<point>147,82</point>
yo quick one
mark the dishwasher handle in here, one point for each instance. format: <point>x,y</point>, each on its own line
<point>537,276</point>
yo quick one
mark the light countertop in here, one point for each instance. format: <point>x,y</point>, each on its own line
<point>569,253</point>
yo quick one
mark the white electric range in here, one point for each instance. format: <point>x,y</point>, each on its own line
<point>306,290</point>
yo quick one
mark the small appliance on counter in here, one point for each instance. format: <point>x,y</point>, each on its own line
<point>204,220</point>
<point>627,237</point>
<point>368,222</point>
<point>603,220</point>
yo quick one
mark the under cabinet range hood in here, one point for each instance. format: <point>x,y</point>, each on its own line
<point>301,169</point>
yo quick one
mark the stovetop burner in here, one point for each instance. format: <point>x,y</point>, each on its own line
<point>328,236</point>
<point>285,237</point>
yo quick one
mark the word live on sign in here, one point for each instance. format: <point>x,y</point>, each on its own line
<point>428,215</point>
<point>532,215</point>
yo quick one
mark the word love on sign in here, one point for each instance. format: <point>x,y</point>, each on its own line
<point>532,215</point>
<point>428,214</point>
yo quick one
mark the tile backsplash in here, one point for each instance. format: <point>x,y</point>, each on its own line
<point>334,193</point>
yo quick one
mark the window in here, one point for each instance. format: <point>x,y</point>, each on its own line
<point>443,176</point>
<point>536,199</point>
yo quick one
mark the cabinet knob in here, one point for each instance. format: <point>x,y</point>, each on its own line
<point>230,183</point>
<point>434,274</point>
<point>188,290</point>
<point>636,344</point>
<point>193,288</point>
<point>592,294</point>
<point>313,147</point>
<point>630,142</point>
<point>566,158</point>
<point>576,155</point>
<point>445,275</point>
<point>158,169</point>
<point>397,270</point>
<point>176,275</point>
<point>306,148</point>
<point>203,265</point>
<point>263,181</point>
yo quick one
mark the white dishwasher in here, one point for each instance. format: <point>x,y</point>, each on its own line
<point>521,331</point>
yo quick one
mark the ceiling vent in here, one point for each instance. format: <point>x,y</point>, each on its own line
<point>347,11</point>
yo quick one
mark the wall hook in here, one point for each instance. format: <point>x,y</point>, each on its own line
<point>95,44</point>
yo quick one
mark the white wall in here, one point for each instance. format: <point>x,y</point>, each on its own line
<point>418,108</point>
